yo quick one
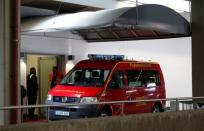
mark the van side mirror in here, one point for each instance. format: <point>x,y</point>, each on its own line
<point>151,84</point>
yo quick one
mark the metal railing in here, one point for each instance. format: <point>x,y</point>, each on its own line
<point>182,100</point>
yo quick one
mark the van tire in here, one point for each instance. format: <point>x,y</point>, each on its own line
<point>156,108</point>
<point>105,111</point>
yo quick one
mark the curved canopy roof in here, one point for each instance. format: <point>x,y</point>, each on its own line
<point>142,22</point>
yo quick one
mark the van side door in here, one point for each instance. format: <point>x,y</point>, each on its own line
<point>134,91</point>
<point>153,88</point>
<point>115,90</point>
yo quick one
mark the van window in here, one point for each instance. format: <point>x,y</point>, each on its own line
<point>134,78</point>
<point>151,76</point>
<point>140,78</point>
<point>86,77</point>
<point>117,80</point>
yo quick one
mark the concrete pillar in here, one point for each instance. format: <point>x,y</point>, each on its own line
<point>15,58</point>
<point>198,47</point>
<point>1,63</point>
<point>4,59</point>
<point>9,65</point>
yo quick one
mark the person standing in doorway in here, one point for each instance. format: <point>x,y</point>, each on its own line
<point>55,77</point>
<point>32,90</point>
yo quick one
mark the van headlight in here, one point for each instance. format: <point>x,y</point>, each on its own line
<point>49,97</point>
<point>88,99</point>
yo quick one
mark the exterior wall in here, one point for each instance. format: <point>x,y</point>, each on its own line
<point>45,45</point>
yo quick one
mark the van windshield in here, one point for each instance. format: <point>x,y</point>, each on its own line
<point>86,77</point>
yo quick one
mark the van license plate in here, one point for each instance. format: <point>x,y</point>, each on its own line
<point>62,113</point>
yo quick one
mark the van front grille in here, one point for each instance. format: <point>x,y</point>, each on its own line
<point>64,99</point>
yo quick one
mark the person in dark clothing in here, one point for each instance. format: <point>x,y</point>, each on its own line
<point>32,90</point>
<point>23,93</point>
<point>55,77</point>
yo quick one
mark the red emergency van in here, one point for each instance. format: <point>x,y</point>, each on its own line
<point>108,78</point>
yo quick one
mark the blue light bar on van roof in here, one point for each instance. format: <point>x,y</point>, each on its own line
<point>105,57</point>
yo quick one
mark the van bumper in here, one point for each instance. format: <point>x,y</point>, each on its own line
<point>66,112</point>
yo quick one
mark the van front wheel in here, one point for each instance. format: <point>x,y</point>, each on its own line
<point>104,113</point>
<point>156,108</point>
